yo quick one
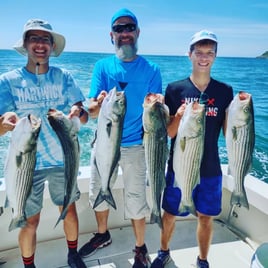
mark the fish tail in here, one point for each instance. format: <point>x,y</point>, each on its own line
<point>156,218</point>
<point>62,216</point>
<point>105,196</point>
<point>64,210</point>
<point>192,210</point>
<point>239,198</point>
<point>6,205</point>
<point>185,209</point>
<point>16,223</point>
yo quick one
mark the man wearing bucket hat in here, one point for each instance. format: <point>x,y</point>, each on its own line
<point>34,89</point>
<point>216,96</point>
<point>136,76</point>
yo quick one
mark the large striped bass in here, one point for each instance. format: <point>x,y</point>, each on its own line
<point>107,148</point>
<point>19,167</point>
<point>155,120</point>
<point>240,139</point>
<point>188,153</point>
<point>67,129</point>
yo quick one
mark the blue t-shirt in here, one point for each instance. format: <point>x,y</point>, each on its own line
<point>27,93</point>
<point>219,96</point>
<point>136,79</point>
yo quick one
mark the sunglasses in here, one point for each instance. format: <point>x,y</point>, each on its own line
<point>203,99</point>
<point>129,27</point>
<point>41,39</point>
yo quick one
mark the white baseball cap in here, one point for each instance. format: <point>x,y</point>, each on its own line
<point>203,35</point>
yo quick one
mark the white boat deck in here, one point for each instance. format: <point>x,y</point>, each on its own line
<point>230,248</point>
<point>227,249</point>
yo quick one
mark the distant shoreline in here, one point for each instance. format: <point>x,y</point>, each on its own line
<point>145,54</point>
<point>264,55</point>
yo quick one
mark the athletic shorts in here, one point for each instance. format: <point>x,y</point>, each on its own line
<point>132,163</point>
<point>206,195</point>
<point>56,185</point>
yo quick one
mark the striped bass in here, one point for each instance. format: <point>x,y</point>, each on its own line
<point>155,120</point>
<point>107,148</point>
<point>240,140</point>
<point>188,152</point>
<point>19,167</point>
<point>67,129</point>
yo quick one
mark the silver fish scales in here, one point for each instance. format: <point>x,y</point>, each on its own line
<point>188,153</point>
<point>240,140</point>
<point>67,129</point>
<point>155,120</point>
<point>107,148</point>
<point>19,167</point>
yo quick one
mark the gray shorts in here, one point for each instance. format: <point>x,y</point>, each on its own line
<point>132,163</point>
<point>56,182</point>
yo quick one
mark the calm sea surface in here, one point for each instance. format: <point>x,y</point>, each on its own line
<point>248,74</point>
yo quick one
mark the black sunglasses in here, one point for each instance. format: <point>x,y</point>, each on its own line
<point>119,28</point>
<point>203,99</point>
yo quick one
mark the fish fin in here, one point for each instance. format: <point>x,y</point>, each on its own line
<point>228,170</point>
<point>16,223</point>
<point>7,203</point>
<point>183,143</point>
<point>59,219</point>
<point>108,128</point>
<point>192,210</point>
<point>154,218</point>
<point>62,216</point>
<point>240,198</point>
<point>148,183</point>
<point>234,132</point>
<point>19,160</point>
<point>105,196</point>
<point>184,209</point>
<point>63,212</point>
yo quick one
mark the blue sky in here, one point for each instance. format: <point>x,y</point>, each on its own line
<point>166,25</point>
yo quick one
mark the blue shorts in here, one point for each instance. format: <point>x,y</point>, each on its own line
<point>206,195</point>
<point>56,186</point>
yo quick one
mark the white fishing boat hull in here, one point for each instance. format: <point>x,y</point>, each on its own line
<point>250,226</point>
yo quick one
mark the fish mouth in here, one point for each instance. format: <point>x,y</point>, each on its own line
<point>244,95</point>
<point>51,111</point>
<point>197,107</point>
<point>34,121</point>
<point>54,112</point>
<point>151,99</point>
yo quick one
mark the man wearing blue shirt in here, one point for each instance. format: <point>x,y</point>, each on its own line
<point>136,76</point>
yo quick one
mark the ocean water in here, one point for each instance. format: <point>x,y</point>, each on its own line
<point>248,74</point>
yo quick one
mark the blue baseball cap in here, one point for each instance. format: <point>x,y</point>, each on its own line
<point>203,35</point>
<point>123,13</point>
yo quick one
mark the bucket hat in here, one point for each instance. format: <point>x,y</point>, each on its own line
<point>41,25</point>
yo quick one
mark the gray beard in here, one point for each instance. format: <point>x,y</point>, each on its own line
<point>126,52</point>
